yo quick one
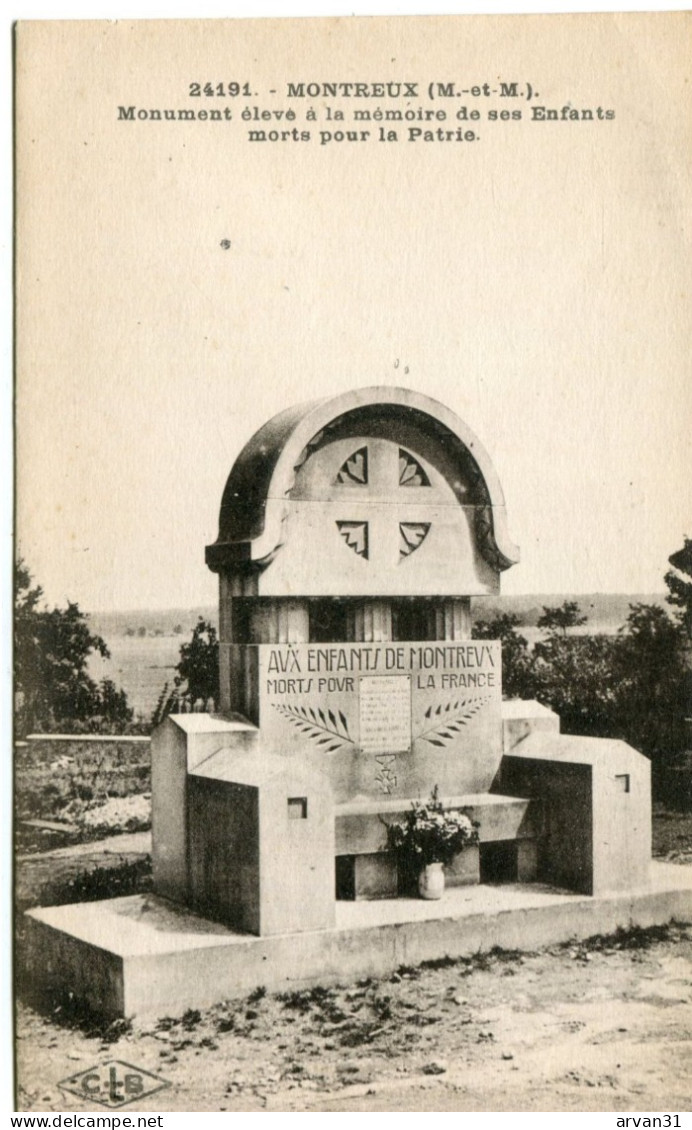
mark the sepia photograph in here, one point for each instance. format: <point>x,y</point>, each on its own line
<point>353,565</point>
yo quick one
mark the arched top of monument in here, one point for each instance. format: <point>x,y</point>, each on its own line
<point>276,467</point>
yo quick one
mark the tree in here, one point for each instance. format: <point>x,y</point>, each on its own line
<point>198,667</point>
<point>196,683</point>
<point>558,620</point>
<point>575,677</point>
<point>651,682</point>
<point>635,685</point>
<point>679,583</point>
<point>52,649</point>
<point>517,681</point>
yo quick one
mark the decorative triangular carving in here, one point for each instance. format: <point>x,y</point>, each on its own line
<point>354,471</point>
<point>355,534</point>
<point>411,474</point>
<point>411,536</point>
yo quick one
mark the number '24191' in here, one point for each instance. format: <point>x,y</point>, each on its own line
<point>219,89</point>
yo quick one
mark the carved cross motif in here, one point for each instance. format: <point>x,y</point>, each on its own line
<point>393,486</point>
<point>386,778</point>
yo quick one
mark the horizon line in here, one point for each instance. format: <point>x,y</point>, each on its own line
<point>475,596</point>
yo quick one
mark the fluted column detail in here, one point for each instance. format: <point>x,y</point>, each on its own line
<point>369,621</point>
<point>449,619</point>
<point>279,621</point>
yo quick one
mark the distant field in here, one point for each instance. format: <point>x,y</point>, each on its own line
<point>142,664</point>
<point>593,628</point>
<point>140,667</point>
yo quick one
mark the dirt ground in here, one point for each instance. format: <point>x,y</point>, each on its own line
<point>605,1025</point>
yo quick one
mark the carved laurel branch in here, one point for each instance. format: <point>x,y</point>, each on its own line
<point>449,720</point>
<point>323,727</point>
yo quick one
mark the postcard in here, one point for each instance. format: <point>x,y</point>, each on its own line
<point>353,415</point>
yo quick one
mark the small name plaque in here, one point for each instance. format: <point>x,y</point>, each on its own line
<point>385,713</point>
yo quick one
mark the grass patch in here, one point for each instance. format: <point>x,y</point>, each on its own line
<point>632,937</point>
<point>302,1000</point>
<point>439,962</point>
<point>69,1012</point>
<point>91,884</point>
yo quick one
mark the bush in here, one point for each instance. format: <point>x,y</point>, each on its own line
<point>196,685</point>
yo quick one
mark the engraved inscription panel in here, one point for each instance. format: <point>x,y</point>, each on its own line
<point>385,713</point>
<point>388,719</point>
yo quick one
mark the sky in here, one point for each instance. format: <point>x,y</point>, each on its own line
<point>535,282</point>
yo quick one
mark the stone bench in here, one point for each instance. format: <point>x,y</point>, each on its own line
<point>506,833</point>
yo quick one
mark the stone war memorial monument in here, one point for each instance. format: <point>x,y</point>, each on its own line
<point>354,533</point>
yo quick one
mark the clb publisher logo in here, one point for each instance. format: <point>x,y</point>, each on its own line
<point>114,1083</point>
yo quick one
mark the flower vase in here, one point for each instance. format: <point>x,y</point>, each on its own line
<point>431,881</point>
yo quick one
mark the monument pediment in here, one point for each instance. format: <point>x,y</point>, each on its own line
<point>378,491</point>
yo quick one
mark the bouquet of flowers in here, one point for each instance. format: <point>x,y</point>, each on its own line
<point>428,834</point>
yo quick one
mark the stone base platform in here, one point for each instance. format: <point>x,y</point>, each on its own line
<point>142,955</point>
